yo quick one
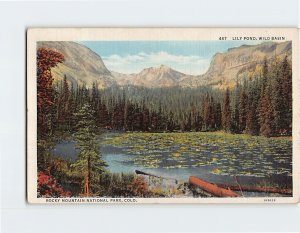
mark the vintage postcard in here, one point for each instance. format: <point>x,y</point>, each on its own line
<point>163,115</point>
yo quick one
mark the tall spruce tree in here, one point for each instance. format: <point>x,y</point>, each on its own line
<point>46,60</point>
<point>72,109</point>
<point>89,162</point>
<point>236,109</point>
<point>287,99</point>
<point>212,117</point>
<point>243,110</point>
<point>265,106</point>
<point>64,106</point>
<point>226,116</point>
<point>206,112</point>
<point>218,116</point>
<point>276,95</point>
<point>252,125</point>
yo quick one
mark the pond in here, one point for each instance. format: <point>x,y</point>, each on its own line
<point>215,157</point>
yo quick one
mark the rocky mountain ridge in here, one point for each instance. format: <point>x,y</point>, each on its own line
<point>83,66</point>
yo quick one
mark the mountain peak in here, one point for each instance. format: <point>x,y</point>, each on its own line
<point>83,66</point>
<point>164,67</point>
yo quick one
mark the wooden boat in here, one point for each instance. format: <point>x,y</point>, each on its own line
<point>212,188</point>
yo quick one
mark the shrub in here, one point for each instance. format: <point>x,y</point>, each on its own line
<point>48,187</point>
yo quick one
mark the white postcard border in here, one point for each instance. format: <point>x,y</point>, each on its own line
<point>106,34</point>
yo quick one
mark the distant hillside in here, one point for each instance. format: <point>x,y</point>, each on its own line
<point>226,68</point>
<point>82,65</point>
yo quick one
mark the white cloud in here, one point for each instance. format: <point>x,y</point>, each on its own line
<point>133,63</point>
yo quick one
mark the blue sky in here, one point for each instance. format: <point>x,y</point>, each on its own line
<point>190,57</point>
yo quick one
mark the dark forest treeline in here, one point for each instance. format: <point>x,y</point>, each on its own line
<point>261,105</point>
<point>135,108</point>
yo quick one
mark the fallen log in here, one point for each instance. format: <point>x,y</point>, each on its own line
<point>212,188</point>
<point>255,189</point>
<point>148,174</point>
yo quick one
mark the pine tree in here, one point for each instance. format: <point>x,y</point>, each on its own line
<point>130,119</point>
<point>161,120</point>
<point>212,116</point>
<point>138,118</point>
<point>226,115</point>
<point>243,110</point>
<point>252,125</point>
<point>103,116</point>
<point>266,115</point>
<point>72,109</point>
<point>218,116</point>
<point>286,76</point>
<point>199,122</point>
<point>171,125</point>
<point>46,60</point>
<point>118,116</point>
<point>193,118</point>
<point>250,121</point>
<point>236,108</point>
<point>64,105</point>
<point>46,99</point>
<point>145,117</point>
<point>188,124</point>
<point>206,112</point>
<point>94,100</point>
<point>89,162</point>
<point>265,106</point>
<point>276,95</point>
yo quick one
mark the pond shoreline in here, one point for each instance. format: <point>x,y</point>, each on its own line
<point>176,154</point>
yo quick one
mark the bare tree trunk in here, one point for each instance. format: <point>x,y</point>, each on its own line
<point>86,186</point>
<point>87,179</point>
